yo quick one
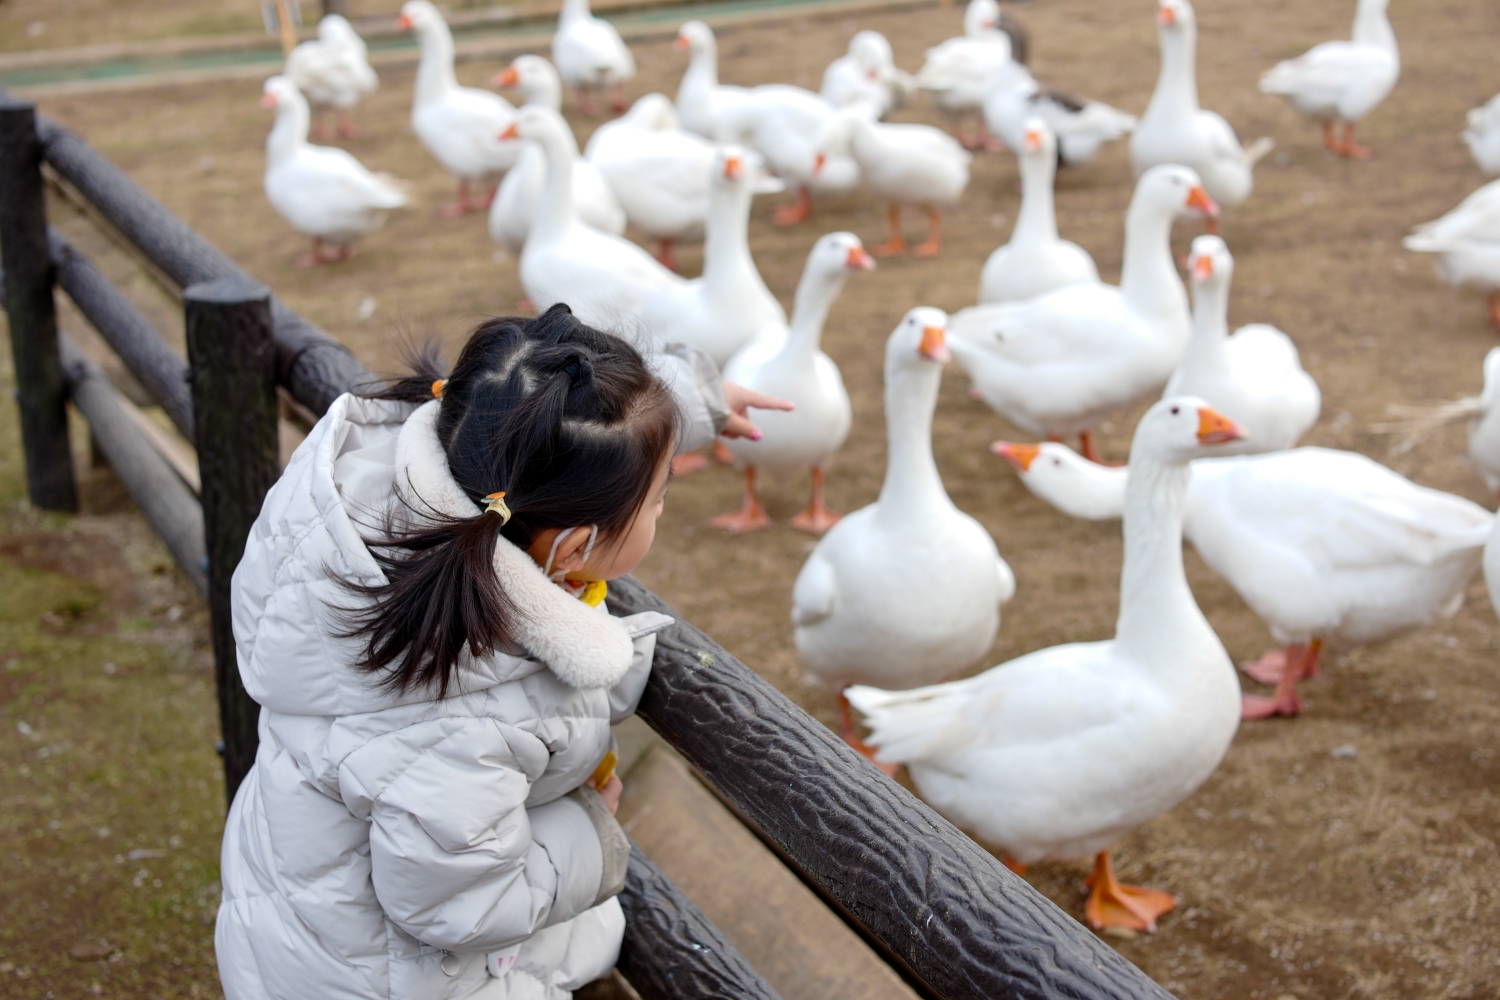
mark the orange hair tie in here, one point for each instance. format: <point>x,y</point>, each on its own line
<point>438,387</point>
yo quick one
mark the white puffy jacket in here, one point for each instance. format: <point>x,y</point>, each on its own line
<point>384,845</point>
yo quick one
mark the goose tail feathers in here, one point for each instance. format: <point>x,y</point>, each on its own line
<point>1413,424</point>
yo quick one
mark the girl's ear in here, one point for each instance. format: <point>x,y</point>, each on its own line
<point>570,552</point>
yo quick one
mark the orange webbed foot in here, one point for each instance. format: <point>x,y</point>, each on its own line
<point>744,520</point>
<point>815,520</point>
<point>1114,904</point>
<point>889,248</point>
<point>930,248</point>
<point>1257,706</point>
<point>1269,669</point>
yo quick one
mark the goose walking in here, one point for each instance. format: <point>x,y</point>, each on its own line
<point>333,71</point>
<point>591,56</point>
<point>324,192</point>
<point>1057,754</point>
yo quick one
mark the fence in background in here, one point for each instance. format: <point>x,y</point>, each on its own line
<point>952,920</point>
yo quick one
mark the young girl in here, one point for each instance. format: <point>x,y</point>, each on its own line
<point>421,819</point>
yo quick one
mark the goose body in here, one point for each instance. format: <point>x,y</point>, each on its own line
<point>333,70</point>
<point>325,193</point>
<point>516,200</point>
<point>1013,97</point>
<point>1484,429</point>
<point>1345,80</point>
<point>1466,244</point>
<point>588,51</point>
<point>1058,753</point>
<point>1175,129</point>
<point>866,77</point>
<point>1483,135</point>
<point>604,278</point>
<point>786,125</point>
<point>957,72</point>
<point>722,310</point>
<point>907,590</point>
<point>1058,363</point>
<point>1035,261</point>
<point>700,96</point>
<point>1254,377</point>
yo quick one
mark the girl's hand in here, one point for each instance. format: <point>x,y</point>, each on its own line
<point>610,793</point>
<point>740,400</point>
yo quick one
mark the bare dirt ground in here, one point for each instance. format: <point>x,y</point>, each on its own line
<point>1373,873</point>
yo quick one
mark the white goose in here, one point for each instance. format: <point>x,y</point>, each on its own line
<point>1341,82</point>
<point>1466,242</point>
<point>957,72</point>
<point>516,200</point>
<point>1483,135</point>
<point>1035,260</point>
<point>854,623</point>
<point>1058,363</point>
<point>333,70</point>
<point>659,172</point>
<point>1329,548</point>
<point>787,125</point>
<point>720,311</point>
<point>590,55</point>
<point>866,77</point>
<point>1482,413</point>
<point>1175,129</point>
<point>1492,567</point>
<point>323,192</point>
<point>1254,377</point>
<point>460,126</point>
<point>700,96</point>
<point>605,279</point>
<point>905,165</point>
<point>1057,754</point>
<point>788,363</point>
<point>1013,97</point>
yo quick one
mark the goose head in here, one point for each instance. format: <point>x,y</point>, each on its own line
<point>420,17</point>
<point>919,340</point>
<point>336,29</point>
<point>1175,17</point>
<point>736,166</point>
<point>281,92</point>
<point>837,136</point>
<point>1179,429</point>
<point>695,37</point>
<point>981,17</point>
<point>1039,142</point>
<point>537,79</point>
<point>540,125</point>
<point>838,254</point>
<point>1172,190</point>
<point>654,112</point>
<point>1210,264</point>
<point>871,52</point>
<point>1066,480</point>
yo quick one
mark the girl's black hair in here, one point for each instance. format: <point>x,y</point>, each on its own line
<point>568,421</point>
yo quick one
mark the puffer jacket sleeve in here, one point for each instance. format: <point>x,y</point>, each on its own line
<point>694,380</point>
<point>457,859</point>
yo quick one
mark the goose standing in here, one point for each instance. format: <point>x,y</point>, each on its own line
<point>906,164</point>
<point>1341,82</point>
<point>1254,377</point>
<point>1175,129</point>
<point>719,312</point>
<point>788,363</point>
<point>787,125</point>
<point>659,172</point>
<point>1466,242</point>
<point>333,70</point>
<point>1328,548</point>
<point>1483,135</point>
<point>460,126</point>
<point>1057,754</point>
<point>1059,363</point>
<point>866,77</point>
<point>604,278</point>
<point>323,192</point>
<point>700,96</point>
<point>1035,261</point>
<point>1013,97</point>
<point>591,55</point>
<point>957,72</point>
<point>908,590</point>
<point>516,200</point>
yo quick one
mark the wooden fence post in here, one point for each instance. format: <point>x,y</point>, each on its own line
<point>41,392</point>
<point>232,357</point>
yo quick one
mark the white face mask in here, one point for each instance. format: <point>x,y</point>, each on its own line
<point>588,550</point>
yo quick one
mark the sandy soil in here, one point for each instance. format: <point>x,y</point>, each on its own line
<point>1301,873</point>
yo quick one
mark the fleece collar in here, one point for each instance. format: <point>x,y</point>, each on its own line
<point>583,647</point>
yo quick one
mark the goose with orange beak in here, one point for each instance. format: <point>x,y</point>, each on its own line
<point>1055,755</point>
<point>854,623</point>
<point>701,98</point>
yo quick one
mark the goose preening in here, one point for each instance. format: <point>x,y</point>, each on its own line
<point>1058,753</point>
<point>957,72</point>
<point>1338,83</point>
<point>1254,377</point>
<point>908,590</point>
<point>700,96</point>
<point>1175,129</point>
<point>1328,548</point>
<point>1466,243</point>
<point>904,165</point>
<point>720,311</point>
<point>604,278</point>
<point>1483,135</point>
<point>324,192</point>
<point>516,200</point>
<point>1035,260</point>
<point>590,55</point>
<point>788,362</point>
<point>1059,363</point>
<point>333,71</point>
<point>1013,97</point>
<point>460,126</point>
<point>787,125</point>
<point>866,77</point>
<point>659,172</point>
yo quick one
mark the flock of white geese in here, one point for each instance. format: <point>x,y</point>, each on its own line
<point>1056,754</point>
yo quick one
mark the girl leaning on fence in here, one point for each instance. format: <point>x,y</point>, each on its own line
<point>419,613</point>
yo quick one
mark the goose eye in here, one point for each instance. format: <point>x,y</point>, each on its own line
<point>1174,411</point>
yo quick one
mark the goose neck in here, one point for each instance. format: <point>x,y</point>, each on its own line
<point>1177,86</point>
<point>726,245</point>
<point>1036,222</point>
<point>1207,350</point>
<point>555,212</point>
<point>289,133</point>
<point>435,66</point>
<point>1148,277</point>
<point>575,10</point>
<point>703,63</point>
<point>912,493</point>
<point>1157,610</point>
<point>815,294</point>
<point>1372,26</point>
